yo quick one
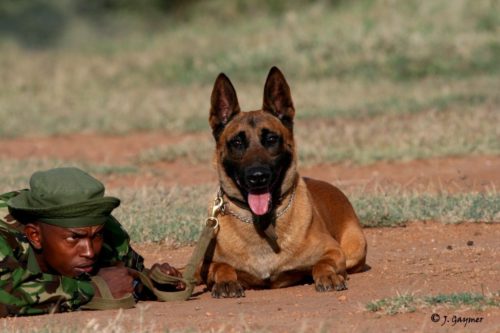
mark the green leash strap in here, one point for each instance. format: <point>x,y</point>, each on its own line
<point>156,275</point>
<point>207,234</point>
<point>148,278</point>
<point>106,300</point>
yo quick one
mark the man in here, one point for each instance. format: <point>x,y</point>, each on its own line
<point>59,244</point>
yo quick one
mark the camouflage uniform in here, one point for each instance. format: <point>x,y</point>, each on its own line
<point>25,290</point>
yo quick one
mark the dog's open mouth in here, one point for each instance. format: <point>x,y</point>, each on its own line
<point>260,204</point>
<point>259,199</point>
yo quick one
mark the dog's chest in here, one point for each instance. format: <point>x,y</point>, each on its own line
<point>239,245</point>
<point>253,254</point>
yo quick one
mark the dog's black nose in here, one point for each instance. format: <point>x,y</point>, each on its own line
<point>257,177</point>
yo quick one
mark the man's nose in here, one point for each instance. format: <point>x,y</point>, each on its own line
<point>88,249</point>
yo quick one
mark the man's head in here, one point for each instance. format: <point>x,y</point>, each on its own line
<point>66,251</point>
<point>64,213</point>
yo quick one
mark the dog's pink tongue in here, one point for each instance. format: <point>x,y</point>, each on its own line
<point>259,203</point>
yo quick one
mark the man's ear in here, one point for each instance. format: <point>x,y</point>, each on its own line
<point>223,104</point>
<point>33,232</point>
<point>278,99</point>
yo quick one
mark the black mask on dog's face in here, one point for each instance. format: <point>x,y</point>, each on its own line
<point>255,148</point>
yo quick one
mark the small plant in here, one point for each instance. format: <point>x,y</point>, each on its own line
<point>410,303</point>
<point>400,304</point>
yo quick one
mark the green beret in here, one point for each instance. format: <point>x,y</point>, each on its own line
<point>65,197</point>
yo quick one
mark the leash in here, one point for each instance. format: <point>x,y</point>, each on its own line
<point>151,277</point>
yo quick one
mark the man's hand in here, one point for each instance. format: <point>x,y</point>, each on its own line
<point>170,270</point>
<point>118,279</point>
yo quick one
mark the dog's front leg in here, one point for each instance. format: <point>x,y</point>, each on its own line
<point>224,281</point>
<point>329,273</point>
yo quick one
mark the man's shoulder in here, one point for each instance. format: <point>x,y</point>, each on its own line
<point>12,239</point>
<point>6,220</point>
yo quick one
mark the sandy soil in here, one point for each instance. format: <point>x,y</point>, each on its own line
<point>420,259</point>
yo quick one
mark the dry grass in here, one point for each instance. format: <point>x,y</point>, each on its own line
<point>175,214</point>
<point>371,80</point>
<point>449,132</point>
<point>354,67</point>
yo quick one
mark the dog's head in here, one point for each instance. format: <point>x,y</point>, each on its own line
<point>255,154</point>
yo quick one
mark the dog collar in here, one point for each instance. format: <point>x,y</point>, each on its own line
<point>249,219</point>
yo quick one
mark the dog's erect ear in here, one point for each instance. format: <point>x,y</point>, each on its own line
<point>224,104</point>
<point>277,98</point>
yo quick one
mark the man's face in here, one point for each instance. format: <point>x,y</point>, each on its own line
<point>66,251</point>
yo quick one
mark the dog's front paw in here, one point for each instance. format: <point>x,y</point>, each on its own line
<point>228,289</point>
<point>330,282</point>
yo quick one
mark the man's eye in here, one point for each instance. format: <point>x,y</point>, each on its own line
<point>72,238</point>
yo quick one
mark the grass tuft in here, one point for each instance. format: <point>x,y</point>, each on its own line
<point>410,303</point>
<point>391,306</point>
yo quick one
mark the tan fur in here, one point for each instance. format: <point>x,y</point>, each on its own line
<point>319,235</point>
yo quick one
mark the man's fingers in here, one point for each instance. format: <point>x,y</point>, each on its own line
<point>167,269</point>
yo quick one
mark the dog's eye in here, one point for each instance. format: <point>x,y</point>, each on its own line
<point>271,139</point>
<point>236,143</point>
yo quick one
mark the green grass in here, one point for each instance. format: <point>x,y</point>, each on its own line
<point>176,215</point>
<point>411,80</point>
<point>396,209</point>
<point>411,303</point>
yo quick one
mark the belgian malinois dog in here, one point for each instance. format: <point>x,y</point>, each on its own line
<point>276,228</point>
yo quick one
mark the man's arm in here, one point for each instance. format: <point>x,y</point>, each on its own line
<point>25,293</point>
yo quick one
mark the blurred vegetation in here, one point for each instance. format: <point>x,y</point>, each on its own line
<point>364,72</point>
<point>43,23</point>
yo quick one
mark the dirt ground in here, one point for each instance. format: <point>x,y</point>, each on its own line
<point>423,258</point>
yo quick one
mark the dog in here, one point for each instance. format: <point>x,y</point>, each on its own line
<point>276,229</point>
